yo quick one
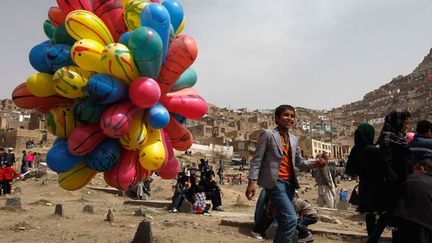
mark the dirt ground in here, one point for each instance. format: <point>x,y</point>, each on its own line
<point>36,221</point>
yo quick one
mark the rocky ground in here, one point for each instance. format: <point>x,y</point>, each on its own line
<point>35,220</point>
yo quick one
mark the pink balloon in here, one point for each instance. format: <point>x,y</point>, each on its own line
<point>190,106</point>
<point>84,139</point>
<point>115,121</point>
<point>127,173</point>
<point>410,136</point>
<point>144,92</point>
<point>171,166</point>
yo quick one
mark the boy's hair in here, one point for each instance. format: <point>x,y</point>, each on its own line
<point>423,126</point>
<point>282,108</point>
<point>426,164</point>
<point>200,188</point>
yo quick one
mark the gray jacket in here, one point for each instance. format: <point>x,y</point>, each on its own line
<point>264,166</point>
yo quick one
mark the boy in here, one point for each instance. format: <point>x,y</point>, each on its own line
<point>307,215</point>
<point>8,175</point>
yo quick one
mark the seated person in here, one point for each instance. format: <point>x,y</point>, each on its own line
<point>307,215</point>
<point>213,191</point>
<point>180,189</point>
<point>200,205</point>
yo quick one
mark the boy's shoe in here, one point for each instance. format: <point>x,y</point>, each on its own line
<point>256,235</point>
<point>173,211</point>
<point>220,209</point>
<point>307,238</point>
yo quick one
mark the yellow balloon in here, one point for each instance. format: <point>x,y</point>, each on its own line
<point>136,137</point>
<point>124,3</point>
<point>82,24</point>
<point>86,53</point>
<point>152,156</point>
<point>41,84</point>
<point>76,178</point>
<point>60,121</point>
<point>181,26</point>
<point>118,61</point>
<point>132,13</point>
<point>71,81</point>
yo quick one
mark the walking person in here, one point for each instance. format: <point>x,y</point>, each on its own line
<point>272,167</point>
<point>366,162</point>
<point>325,183</point>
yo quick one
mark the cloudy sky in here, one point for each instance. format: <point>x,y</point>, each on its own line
<point>259,54</point>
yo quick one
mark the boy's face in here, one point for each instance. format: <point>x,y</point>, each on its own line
<point>286,119</point>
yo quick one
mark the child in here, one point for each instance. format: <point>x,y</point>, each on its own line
<point>414,211</point>
<point>200,205</point>
<point>241,178</point>
<point>1,179</point>
<point>8,174</point>
<point>307,215</point>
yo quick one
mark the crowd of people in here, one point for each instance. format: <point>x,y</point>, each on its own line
<point>197,185</point>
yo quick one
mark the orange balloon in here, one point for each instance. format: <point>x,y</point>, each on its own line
<point>180,137</point>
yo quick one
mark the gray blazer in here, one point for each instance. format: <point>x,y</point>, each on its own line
<point>264,166</point>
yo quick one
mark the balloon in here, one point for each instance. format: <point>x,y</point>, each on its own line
<point>41,85</point>
<point>171,166</point>
<point>59,159</point>
<point>81,24</point>
<point>22,98</point>
<point>191,106</point>
<point>60,121</point>
<point>127,173</point>
<point>76,178</point>
<point>186,80</point>
<point>146,48</point>
<point>106,89</point>
<point>410,136</point>
<point>61,36</point>
<point>124,39</point>
<point>88,111</point>
<point>115,121</point>
<point>48,29</point>
<point>56,16</point>
<point>58,56</point>
<point>155,16</point>
<point>181,54</point>
<point>158,116</point>
<point>104,156</point>
<point>175,11</point>
<point>179,136</point>
<point>132,13</point>
<point>68,6</point>
<point>118,61</point>
<point>135,138</point>
<point>71,81</point>
<point>181,27</point>
<point>144,92</point>
<point>84,139</point>
<point>111,13</point>
<point>152,155</point>
<point>86,53</point>
<point>37,57</point>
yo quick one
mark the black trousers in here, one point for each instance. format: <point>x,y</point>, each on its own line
<point>408,232</point>
<point>215,197</point>
<point>7,186</point>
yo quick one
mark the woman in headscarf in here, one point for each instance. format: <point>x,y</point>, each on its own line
<point>366,162</point>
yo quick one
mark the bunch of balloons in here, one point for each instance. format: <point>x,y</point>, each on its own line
<point>114,81</point>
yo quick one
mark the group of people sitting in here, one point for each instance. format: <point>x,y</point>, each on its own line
<point>197,186</point>
<point>395,178</point>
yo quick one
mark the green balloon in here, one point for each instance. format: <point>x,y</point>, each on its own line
<point>146,46</point>
<point>186,80</point>
<point>48,29</point>
<point>61,36</point>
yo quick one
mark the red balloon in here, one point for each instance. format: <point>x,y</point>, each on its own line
<point>144,92</point>
<point>115,121</point>
<point>56,16</point>
<point>179,136</point>
<point>182,53</point>
<point>127,173</point>
<point>85,139</point>
<point>171,166</point>
<point>68,6</point>
<point>22,97</point>
<point>111,12</point>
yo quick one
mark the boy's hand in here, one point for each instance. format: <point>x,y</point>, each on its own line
<point>250,190</point>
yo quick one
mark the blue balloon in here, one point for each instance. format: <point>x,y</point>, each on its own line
<point>58,56</point>
<point>88,111</point>
<point>124,39</point>
<point>175,10</point>
<point>158,116</point>
<point>181,119</point>
<point>105,155</point>
<point>37,57</point>
<point>155,16</point>
<point>59,159</point>
<point>106,89</point>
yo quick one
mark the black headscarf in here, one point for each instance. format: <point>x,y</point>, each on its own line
<point>392,129</point>
<point>363,136</point>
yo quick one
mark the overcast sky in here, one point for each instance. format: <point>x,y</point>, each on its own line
<point>259,54</point>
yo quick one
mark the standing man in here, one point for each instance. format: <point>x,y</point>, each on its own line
<point>325,183</point>
<point>272,167</point>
